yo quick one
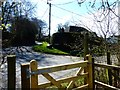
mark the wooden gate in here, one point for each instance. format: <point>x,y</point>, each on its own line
<point>31,71</point>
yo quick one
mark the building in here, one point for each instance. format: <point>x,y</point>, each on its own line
<point>77,29</point>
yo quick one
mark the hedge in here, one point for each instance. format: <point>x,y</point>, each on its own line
<point>67,41</point>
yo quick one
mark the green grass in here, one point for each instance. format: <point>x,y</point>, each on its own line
<point>43,48</point>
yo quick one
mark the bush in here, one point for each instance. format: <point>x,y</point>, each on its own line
<point>72,42</point>
<point>67,41</point>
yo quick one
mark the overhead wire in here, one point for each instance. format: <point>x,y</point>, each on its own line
<point>57,5</point>
<point>66,10</point>
<point>63,19</point>
<point>44,13</point>
<point>65,3</point>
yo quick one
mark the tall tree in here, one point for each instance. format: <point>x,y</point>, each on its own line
<point>63,27</point>
<point>40,24</point>
<point>25,31</point>
<point>41,27</point>
<point>11,10</point>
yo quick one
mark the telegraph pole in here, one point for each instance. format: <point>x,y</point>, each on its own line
<point>49,19</point>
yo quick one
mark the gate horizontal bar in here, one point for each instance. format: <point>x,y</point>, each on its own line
<point>106,86</point>
<point>106,66</point>
<point>51,69</point>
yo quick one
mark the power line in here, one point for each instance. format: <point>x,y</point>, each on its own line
<point>63,19</point>
<point>44,13</point>
<point>55,5</point>
<point>66,3</point>
<point>61,3</point>
<point>66,10</point>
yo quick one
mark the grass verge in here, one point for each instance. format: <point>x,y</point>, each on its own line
<point>44,49</point>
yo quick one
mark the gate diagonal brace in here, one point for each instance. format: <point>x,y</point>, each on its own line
<point>52,80</point>
<point>29,73</point>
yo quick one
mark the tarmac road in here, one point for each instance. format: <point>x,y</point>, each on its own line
<point>42,59</point>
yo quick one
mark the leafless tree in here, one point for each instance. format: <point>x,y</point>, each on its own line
<point>105,21</point>
<point>10,11</point>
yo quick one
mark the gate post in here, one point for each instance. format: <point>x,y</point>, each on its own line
<point>86,51</point>
<point>90,78</point>
<point>34,76</point>
<point>25,82</point>
<point>11,61</point>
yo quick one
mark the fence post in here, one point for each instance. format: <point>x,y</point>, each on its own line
<point>11,61</point>
<point>109,71</point>
<point>25,82</point>
<point>34,77</point>
<point>90,72</point>
<point>85,52</point>
<point>93,68</point>
<point>116,72</point>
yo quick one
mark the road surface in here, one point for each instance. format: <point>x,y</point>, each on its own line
<point>43,61</point>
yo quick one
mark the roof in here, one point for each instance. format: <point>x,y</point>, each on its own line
<point>77,29</point>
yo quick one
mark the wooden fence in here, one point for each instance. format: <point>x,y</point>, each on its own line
<point>113,74</point>
<point>109,67</point>
<point>30,72</point>
<point>11,61</point>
